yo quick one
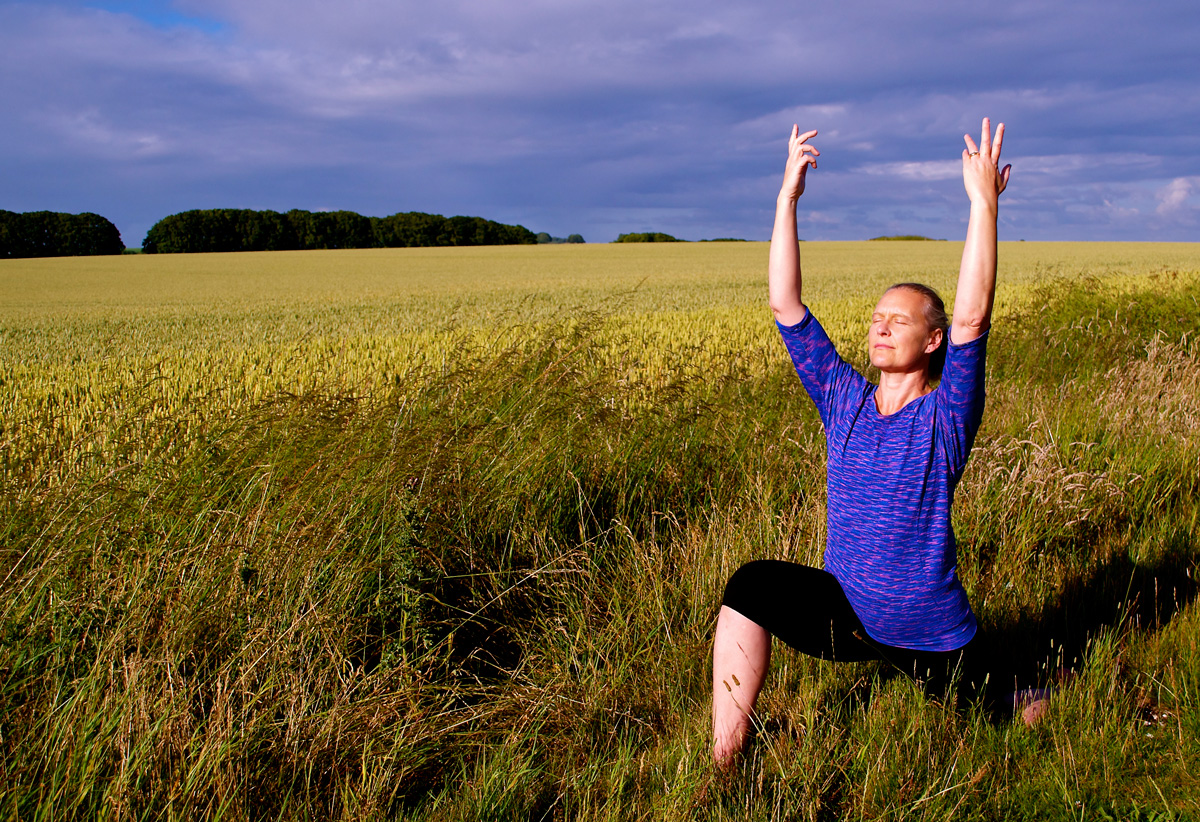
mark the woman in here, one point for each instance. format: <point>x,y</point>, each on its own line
<point>889,590</point>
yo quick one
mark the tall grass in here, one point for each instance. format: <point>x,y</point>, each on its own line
<point>485,589</point>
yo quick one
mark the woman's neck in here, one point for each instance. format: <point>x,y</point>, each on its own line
<point>898,389</point>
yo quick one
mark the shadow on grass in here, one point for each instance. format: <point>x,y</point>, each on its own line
<point>1045,647</point>
<point>1119,596</point>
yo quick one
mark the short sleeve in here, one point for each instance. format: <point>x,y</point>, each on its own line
<point>817,363</point>
<point>960,399</point>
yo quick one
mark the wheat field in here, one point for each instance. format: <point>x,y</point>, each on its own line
<point>441,534</point>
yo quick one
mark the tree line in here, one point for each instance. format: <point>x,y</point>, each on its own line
<point>54,234</point>
<point>236,229</point>
<point>647,237</point>
<point>544,238</point>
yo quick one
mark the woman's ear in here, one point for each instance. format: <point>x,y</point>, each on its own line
<point>935,340</point>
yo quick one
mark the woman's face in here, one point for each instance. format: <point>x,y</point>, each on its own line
<point>900,339</point>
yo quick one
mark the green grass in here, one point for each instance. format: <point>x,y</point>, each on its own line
<point>484,586</point>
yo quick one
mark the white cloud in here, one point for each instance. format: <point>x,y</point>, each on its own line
<point>819,218</point>
<point>1088,165</point>
<point>93,133</point>
<point>1172,198</point>
<point>1119,212</point>
<point>927,170</point>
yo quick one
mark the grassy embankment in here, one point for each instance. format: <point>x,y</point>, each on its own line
<point>375,535</point>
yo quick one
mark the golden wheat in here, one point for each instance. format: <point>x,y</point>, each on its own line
<point>93,348</point>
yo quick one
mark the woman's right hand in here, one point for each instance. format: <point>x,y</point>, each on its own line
<point>801,155</point>
<point>982,175</point>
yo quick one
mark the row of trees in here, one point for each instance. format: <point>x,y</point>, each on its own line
<point>659,237</point>
<point>647,237</point>
<point>233,229</point>
<point>543,238</point>
<point>54,234</point>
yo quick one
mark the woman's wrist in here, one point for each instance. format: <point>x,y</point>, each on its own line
<point>985,208</point>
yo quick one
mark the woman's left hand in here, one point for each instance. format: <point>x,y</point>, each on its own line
<point>982,176</point>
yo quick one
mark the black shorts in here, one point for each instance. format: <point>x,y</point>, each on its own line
<point>807,609</point>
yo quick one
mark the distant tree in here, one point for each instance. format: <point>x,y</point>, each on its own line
<point>205,230</point>
<point>55,234</point>
<point>906,237</point>
<point>465,231</point>
<point>648,237</point>
<point>339,229</point>
<point>576,238</point>
<point>544,238</point>
<point>103,236</point>
<point>478,231</point>
<point>266,231</point>
<point>300,228</point>
<point>413,229</point>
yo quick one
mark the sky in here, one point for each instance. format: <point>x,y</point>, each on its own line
<point>605,118</point>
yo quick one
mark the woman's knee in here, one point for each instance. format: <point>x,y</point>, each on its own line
<point>745,586</point>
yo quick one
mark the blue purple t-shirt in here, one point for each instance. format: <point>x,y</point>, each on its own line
<point>891,483</point>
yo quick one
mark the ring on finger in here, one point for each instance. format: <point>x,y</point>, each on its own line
<point>972,154</point>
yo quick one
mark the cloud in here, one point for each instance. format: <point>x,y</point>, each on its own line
<point>1172,198</point>
<point>92,133</point>
<point>927,170</point>
<point>567,115</point>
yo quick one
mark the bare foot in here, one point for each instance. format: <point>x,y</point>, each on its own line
<point>1034,712</point>
<point>1033,703</point>
<point>728,741</point>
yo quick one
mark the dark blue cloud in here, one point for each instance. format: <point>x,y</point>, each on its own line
<point>600,118</point>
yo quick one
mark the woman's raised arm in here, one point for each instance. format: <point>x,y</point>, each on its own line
<point>783,271</point>
<point>984,181</point>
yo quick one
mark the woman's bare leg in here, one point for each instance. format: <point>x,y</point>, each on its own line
<point>741,654</point>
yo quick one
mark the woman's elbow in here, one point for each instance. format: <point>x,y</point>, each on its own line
<point>976,320</point>
<point>787,312</point>
<point>968,328</point>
